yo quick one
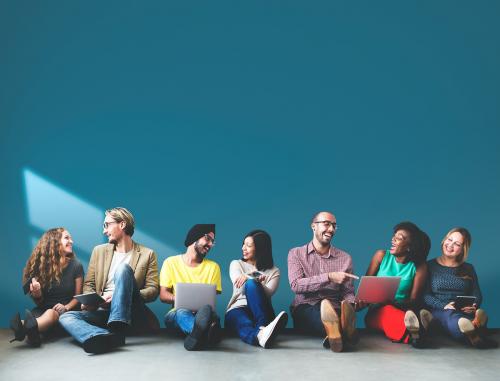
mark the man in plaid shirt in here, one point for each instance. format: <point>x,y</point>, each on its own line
<point>321,276</point>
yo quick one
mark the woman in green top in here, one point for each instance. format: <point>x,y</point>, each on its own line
<point>407,259</point>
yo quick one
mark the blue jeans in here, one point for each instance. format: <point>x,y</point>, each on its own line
<point>258,312</point>
<point>307,319</point>
<point>448,320</point>
<point>127,306</point>
<point>180,319</point>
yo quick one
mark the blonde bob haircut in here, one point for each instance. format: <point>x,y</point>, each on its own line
<point>120,214</point>
<point>466,245</point>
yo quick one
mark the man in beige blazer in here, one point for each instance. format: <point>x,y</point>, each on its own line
<point>125,274</point>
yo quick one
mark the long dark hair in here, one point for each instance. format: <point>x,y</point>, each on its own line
<point>419,243</point>
<point>263,249</point>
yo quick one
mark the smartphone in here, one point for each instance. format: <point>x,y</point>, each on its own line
<point>464,301</point>
<point>255,274</point>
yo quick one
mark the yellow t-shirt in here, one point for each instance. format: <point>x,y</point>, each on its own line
<point>174,270</point>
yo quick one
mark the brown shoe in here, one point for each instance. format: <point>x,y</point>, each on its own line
<point>331,323</point>
<point>480,319</point>
<point>413,328</point>
<point>348,323</point>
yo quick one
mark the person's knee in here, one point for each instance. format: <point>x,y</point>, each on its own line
<point>67,317</point>
<point>52,315</point>
<point>251,285</point>
<point>123,270</point>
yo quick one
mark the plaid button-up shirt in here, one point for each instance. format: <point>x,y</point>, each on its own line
<point>308,275</point>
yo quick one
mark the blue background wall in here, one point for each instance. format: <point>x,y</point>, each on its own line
<point>250,116</point>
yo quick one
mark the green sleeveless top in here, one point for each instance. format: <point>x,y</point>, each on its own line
<point>389,267</point>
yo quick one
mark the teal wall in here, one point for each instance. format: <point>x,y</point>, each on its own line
<point>249,115</point>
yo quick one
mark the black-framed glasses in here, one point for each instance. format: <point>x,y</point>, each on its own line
<point>327,224</point>
<point>209,239</point>
<point>106,224</point>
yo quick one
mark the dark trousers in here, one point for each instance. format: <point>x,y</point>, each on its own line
<point>307,319</point>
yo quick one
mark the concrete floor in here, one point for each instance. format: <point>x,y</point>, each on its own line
<point>294,357</point>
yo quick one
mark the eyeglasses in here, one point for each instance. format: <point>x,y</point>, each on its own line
<point>210,239</point>
<point>106,224</point>
<point>327,224</point>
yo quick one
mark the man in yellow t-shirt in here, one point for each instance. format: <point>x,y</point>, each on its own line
<point>203,327</point>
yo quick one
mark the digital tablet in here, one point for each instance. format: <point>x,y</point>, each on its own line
<point>90,299</point>
<point>378,289</point>
<point>464,301</point>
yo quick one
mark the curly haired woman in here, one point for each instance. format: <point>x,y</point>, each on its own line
<point>52,276</point>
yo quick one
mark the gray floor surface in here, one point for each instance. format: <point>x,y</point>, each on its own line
<point>294,357</point>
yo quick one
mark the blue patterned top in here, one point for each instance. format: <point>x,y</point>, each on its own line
<point>445,283</point>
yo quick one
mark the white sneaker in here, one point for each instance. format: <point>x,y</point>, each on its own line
<point>267,334</point>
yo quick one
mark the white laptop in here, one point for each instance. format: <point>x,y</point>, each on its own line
<point>378,289</point>
<point>193,296</point>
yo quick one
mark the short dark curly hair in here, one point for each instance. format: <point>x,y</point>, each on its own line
<point>419,243</point>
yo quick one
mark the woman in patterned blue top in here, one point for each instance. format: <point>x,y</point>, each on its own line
<point>450,276</point>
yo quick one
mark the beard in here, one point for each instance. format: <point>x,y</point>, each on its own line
<point>201,251</point>
<point>323,240</point>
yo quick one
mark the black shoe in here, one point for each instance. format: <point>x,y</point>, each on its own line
<point>103,343</point>
<point>119,327</point>
<point>17,326</point>
<point>214,332</point>
<point>31,328</point>
<point>195,340</point>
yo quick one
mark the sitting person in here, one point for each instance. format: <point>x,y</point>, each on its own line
<point>321,276</point>
<point>125,274</point>
<point>202,328</point>
<point>255,279</point>
<point>406,259</point>
<point>450,276</point>
<point>53,275</point>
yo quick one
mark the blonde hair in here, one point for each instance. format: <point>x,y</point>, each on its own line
<point>47,260</point>
<point>466,244</point>
<point>120,214</point>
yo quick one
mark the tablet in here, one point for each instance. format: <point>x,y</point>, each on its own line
<point>464,301</point>
<point>193,296</point>
<point>90,299</point>
<point>378,289</point>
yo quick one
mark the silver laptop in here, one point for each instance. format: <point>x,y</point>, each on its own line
<point>193,296</point>
<point>378,289</point>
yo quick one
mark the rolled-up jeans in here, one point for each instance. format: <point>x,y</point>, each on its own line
<point>247,320</point>
<point>127,306</point>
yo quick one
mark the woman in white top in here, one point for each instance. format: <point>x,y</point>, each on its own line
<point>255,279</point>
